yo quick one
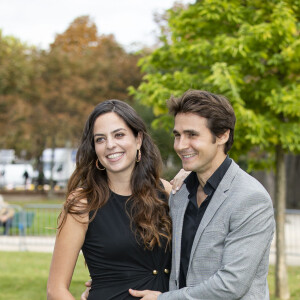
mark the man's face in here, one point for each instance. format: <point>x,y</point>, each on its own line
<point>199,150</point>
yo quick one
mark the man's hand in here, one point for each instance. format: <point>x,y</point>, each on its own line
<point>85,294</point>
<point>146,295</point>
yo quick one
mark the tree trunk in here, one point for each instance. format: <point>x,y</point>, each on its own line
<point>51,180</point>
<point>281,276</point>
<point>40,168</point>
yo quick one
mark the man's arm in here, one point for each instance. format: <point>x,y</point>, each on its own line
<point>85,294</point>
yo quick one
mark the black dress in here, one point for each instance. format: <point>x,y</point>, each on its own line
<point>116,261</point>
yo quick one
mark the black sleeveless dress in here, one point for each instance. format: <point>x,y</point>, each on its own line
<point>116,261</point>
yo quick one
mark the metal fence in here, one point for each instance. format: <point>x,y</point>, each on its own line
<point>33,229</point>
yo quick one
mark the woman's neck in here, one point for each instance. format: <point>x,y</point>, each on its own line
<point>119,184</point>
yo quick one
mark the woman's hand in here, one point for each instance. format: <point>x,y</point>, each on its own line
<point>177,181</point>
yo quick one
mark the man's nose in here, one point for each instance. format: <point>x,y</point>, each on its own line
<point>181,144</point>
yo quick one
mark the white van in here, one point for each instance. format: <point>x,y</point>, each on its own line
<point>64,161</point>
<point>13,176</point>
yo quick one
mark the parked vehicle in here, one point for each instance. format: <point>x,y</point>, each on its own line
<point>63,161</point>
<point>16,176</point>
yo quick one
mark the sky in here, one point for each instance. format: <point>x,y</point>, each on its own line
<point>36,22</point>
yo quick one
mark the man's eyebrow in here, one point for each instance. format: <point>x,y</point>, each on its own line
<point>187,131</point>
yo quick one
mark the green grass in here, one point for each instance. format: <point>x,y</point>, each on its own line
<point>22,200</point>
<point>23,276</point>
<point>294,279</point>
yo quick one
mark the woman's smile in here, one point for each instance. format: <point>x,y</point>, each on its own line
<point>115,156</point>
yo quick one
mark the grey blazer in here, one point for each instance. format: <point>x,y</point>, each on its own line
<point>230,254</point>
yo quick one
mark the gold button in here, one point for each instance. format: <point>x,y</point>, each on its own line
<point>166,271</point>
<point>155,272</point>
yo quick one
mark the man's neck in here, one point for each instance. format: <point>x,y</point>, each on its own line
<point>204,175</point>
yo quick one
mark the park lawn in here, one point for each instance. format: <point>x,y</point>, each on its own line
<point>294,279</point>
<point>22,201</point>
<point>23,276</point>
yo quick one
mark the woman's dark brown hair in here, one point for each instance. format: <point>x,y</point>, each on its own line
<point>215,108</point>
<point>148,213</point>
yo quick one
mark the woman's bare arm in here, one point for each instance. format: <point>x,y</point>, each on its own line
<point>69,241</point>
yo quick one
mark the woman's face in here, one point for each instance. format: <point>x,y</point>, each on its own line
<point>115,144</point>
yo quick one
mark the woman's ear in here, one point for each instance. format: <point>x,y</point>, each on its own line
<point>139,139</point>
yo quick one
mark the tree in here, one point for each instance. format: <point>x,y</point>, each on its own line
<point>250,52</point>
<point>81,70</point>
<point>15,70</point>
<point>45,96</point>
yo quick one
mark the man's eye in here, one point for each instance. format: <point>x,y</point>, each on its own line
<point>192,134</point>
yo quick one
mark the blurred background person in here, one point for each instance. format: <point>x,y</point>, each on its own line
<point>6,215</point>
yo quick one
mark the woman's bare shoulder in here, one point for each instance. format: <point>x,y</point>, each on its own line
<point>167,185</point>
<point>77,205</point>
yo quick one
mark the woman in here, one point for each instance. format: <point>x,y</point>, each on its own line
<point>116,210</point>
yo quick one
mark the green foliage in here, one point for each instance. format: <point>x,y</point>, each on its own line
<point>162,138</point>
<point>248,51</point>
<point>15,72</point>
<point>14,65</point>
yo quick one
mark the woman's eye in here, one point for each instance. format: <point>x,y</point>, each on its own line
<point>119,135</point>
<point>99,140</point>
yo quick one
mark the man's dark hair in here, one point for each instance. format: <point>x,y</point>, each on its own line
<point>215,108</point>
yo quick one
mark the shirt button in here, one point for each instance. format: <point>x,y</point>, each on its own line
<point>166,271</point>
<point>155,272</point>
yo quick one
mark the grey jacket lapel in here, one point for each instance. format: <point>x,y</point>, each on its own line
<point>216,201</point>
<point>180,204</point>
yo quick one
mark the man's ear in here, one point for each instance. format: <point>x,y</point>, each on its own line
<point>223,138</point>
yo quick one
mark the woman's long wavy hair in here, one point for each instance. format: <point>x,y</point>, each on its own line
<point>149,214</point>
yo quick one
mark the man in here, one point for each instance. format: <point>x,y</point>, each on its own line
<point>223,221</point>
